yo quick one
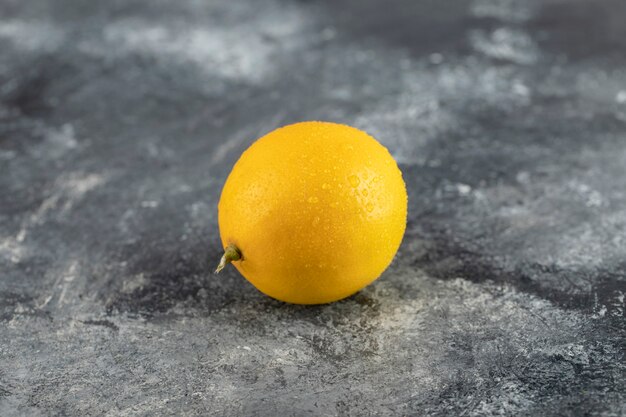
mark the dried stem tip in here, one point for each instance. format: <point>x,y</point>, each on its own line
<point>231,253</point>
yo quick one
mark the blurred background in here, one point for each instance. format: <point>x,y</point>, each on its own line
<point>120,120</point>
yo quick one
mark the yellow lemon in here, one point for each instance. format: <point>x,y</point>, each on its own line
<point>312,212</point>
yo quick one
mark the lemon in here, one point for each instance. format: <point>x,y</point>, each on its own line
<point>312,212</point>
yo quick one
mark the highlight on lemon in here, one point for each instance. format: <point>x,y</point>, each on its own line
<point>312,212</point>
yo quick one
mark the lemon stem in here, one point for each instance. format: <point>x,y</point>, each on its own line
<point>231,253</point>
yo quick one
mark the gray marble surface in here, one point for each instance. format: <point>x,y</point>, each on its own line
<point>120,120</point>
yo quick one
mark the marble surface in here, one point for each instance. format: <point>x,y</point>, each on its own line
<point>120,120</point>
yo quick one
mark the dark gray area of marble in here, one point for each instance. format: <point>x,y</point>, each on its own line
<point>120,120</point>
